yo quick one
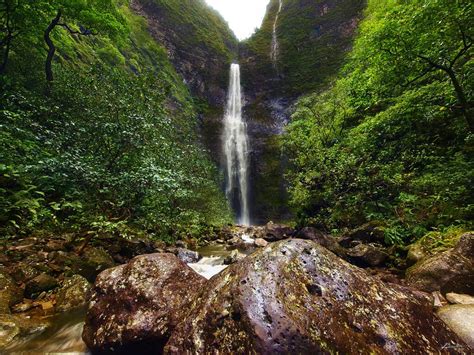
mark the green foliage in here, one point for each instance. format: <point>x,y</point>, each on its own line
<point>113,148</point>
<point>380,145</point>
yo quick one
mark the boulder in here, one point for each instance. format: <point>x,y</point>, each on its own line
<point>460,319</point>
<point>135,307</point>
<point>367,255</point>
<point>372,232</point>
<point>297,297</point>
<point>40,283</point>
<point>450,271</point>
<point>74,293</point>
<point>274,232</point>
<point>456,298</point>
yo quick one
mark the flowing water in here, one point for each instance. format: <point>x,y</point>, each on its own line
<point>236,150</point>
<point>275,45</point>
<point>65,334</point>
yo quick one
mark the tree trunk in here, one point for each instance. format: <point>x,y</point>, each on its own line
<point>3,66</point>
<point>51,47</point>
<point>465,107</point>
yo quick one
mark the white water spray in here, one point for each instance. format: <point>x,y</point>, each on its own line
<point>236,148</point>
<point>275,45</point>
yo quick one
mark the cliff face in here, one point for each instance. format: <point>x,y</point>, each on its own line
<point>313,36</point>
<point>199,43</point>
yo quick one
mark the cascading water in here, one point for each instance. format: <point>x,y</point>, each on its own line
<point>236,149</point>
<point>275,46</point>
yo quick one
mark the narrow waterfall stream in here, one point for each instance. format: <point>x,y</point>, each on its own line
<point>275,45</point>
<point>236,150</point>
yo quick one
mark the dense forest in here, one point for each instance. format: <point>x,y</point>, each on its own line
<point>391,139</point>
<point>166,188</point>
<point>99,134</point>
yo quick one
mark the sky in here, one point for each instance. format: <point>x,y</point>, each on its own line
<point>243,16</point>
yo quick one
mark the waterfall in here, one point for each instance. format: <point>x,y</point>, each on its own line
<point>236,149</point>
<point>275,46</point>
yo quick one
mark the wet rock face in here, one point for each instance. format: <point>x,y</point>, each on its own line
<point>134,307</point>
<point>450,271</point>
<point>295,296</point>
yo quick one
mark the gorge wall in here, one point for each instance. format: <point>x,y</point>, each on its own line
<point>313,37</point>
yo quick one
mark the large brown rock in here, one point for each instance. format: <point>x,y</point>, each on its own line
<point>371,232</point>
<point>296,297</point>
<point>367,255</point>
<point>10,293</point>
<point>274,232</point>
<point>134,307</point>
<point>450,271</point>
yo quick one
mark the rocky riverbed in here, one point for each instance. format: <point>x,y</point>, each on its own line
<point>267,280</point>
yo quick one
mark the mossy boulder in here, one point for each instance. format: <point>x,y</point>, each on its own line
<point>74,293</point>
<point>295,296</point>
<point>134,307</point>
<point>10,293</point>
<point>449,271</point>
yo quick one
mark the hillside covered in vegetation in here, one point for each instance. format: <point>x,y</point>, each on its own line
<point>98,132</point>
<point>391,138</point>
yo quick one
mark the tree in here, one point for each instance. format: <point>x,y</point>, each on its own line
<point>49,42</point>
<point>423,37</point>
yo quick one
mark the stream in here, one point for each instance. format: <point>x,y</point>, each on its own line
<point>65,333</point>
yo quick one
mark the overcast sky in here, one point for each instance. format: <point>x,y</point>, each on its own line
<point>243,16</point>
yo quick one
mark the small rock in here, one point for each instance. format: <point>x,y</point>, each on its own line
<point>233,257</point>
<point>9,329</point>
<point>74,292</point>
<point>438,299</point>
<point>416,253</point>
<point>41,283</point>
<point>371,232</point>
<point>188,256</point>
<point>456,298</point>
<point>23,307</point>
<point>260,242</point>
<point>460,318</point>
<point>54,245</point>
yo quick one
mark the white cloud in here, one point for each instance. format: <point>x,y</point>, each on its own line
<point>243,16</point>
